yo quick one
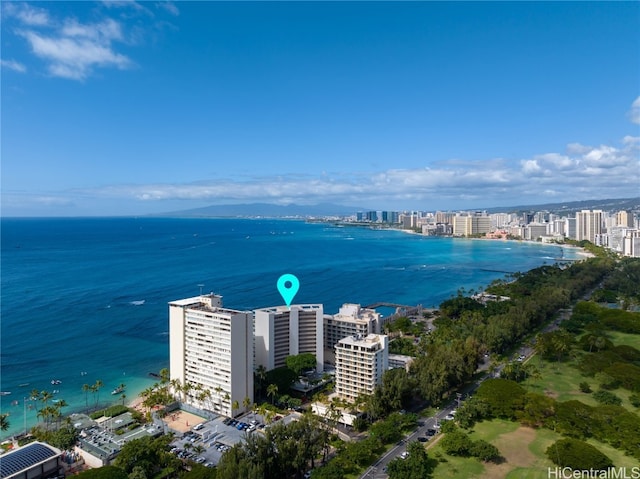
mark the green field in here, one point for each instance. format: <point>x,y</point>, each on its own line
<point>624,338</point>
<point>523,449</point>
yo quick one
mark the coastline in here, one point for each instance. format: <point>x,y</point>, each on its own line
<point>116,315</point>
<point>577,249</point>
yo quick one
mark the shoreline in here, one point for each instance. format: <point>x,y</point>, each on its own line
<point>578,250</point>
<point>136,383</point>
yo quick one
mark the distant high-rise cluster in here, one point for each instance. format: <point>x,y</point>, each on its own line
<point>618,231</point>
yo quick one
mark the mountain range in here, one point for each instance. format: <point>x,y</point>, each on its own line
<point>255,210</point>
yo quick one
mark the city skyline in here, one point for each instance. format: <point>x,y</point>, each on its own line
<point>126,108</point>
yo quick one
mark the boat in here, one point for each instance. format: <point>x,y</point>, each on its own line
<point>56,381</point>
<point>118,390</point>
<point>23,385</point>
<point>154,375</point>
<point>5,393</point>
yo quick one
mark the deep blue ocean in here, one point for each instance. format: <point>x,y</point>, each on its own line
<point>89,295</point>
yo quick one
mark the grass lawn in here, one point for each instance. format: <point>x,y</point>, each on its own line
<point>618,338</point>
<point>523,449</point>
<point>560,381</point>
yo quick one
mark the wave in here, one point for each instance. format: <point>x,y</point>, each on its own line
<point>137,303</point>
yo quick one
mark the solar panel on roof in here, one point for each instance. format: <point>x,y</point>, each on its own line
<point>24,458</point>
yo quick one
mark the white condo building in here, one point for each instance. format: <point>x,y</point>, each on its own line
<point>588,225</point>
<point>350,320</point>
<point>211,350</point>
<point>360,363</point>
<point>282,331</point>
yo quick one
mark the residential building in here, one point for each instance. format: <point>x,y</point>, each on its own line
<point>397,361</point>
<point>211,349</point>
<point>351,320</point>
<point>360,363</point>
<point>588,225</point>
<point>282,331</point>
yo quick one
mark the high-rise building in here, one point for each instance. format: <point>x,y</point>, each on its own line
<point>588,225</point>
<point>360,363</point>
<point>281,331</point>
<point>624,219</point>
<point>211,351</point>
<point>351,320</point>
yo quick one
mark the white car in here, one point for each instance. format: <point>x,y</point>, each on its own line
<point>404,455</point>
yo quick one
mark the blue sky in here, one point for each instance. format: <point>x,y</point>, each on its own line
<point>117,108</point>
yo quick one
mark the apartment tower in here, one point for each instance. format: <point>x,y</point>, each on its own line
<point>360,363</point>
<point>211,351</point>
<point>282,331</point>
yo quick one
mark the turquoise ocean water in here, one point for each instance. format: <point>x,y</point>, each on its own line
<point>86,299</point>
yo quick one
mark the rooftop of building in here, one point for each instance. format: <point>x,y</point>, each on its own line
<point>354,312</point>
<point>283,308</point>
<point>26,457</point>
<point>360,340</point>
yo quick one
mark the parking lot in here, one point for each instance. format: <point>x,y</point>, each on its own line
<point>207,441</point>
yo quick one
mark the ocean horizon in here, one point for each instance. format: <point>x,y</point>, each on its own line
<point>86,299</point>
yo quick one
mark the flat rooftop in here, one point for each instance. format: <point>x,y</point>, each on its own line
<point>360,340</point>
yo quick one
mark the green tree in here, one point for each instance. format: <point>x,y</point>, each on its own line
<point>484,451</point>
<point>456,443</point>
<point>104,472</point>
<point>4,422</point>
<point>272,391</point>
<point>301,362</point>
<point>537,408</point>
<point>577,454</point>
<point>86,388</point>
<point>503,396</point>
<point>415,466</point>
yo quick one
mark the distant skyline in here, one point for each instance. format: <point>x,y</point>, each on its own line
<point>129,108</point>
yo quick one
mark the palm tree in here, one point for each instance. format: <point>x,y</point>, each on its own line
<point>198,449</point>
<point>98,385</point>
<point>123,397</point>
<point>4,422</point>
<point>186,389</point>
<point>227,398</point>
<point>246,402</point>
<point>164,376</point>
<point>177,387</point>
<point>272,390</point>
<point>58,408</point>
<point>218,391</point>
<point>234,405</point>
<point>86,388</point>
<point>45,396</point>
<point>202,397</point>
<point>261,375</point>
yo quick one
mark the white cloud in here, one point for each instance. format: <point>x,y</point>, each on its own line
<point>531,167</point>
<point>27,14</point>
<point>14,65</point>
<point>596,172</point>
<point>78,48</point>
<point>75,49</point>
<point>169,7</point>
<point>634,113</point>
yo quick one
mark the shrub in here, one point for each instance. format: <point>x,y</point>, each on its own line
<point>485,451</point>
<point>457,443</point>
<point>577,454</point>
<point>584,387</point>
<point>504,397</point>
<point>606,397</point>
<point>635,400</point>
